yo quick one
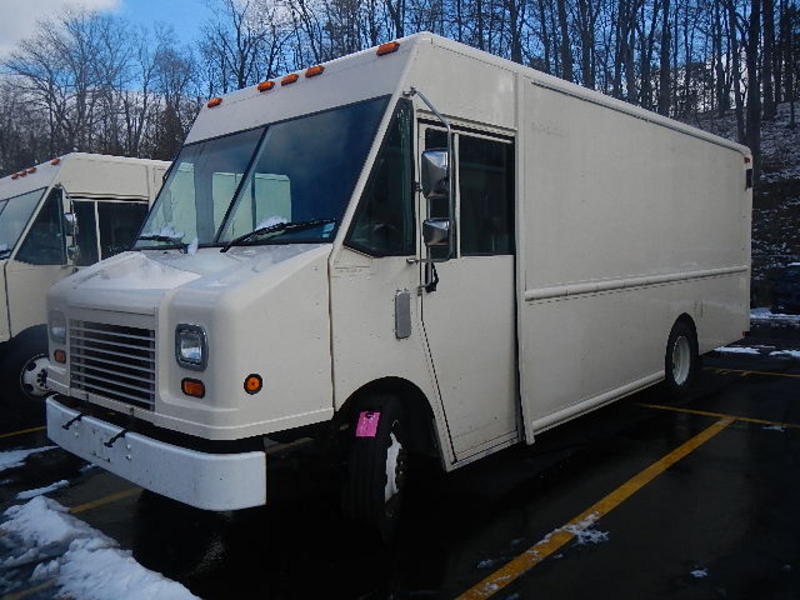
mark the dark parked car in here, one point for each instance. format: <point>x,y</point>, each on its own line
<point>786,290</point>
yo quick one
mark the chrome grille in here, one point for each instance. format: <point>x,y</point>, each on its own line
<point>113,361</point>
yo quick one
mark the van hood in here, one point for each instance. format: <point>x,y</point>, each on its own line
<point>138,281</point>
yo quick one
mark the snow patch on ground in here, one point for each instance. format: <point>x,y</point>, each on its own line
<point>764,316</point>
<point>28,494</point>
<point>738,350</point>
<point>779,428</point>
<point>699,573</point>
<point>92,567</point>
<point>583,532</point>
<point>788,353</point>
<point>12,459</point>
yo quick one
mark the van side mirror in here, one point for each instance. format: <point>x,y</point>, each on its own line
<point>436,232</point>
<point>435,173</point>
<point>69,224</point>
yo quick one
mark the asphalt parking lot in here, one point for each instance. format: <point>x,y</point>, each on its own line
<point>647,498</point>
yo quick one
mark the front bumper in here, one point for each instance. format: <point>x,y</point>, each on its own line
<point>199,479</point>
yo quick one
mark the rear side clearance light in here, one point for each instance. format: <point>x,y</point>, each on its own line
<point>214,102</point>
<point>193,387</point>
<point>387,48</point>
<point>290,79</point>
<point>314,71</point>
<point>265,86</point>
<point>60,356</point>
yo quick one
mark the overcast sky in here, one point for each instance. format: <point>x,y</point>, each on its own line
<point>19,17</point>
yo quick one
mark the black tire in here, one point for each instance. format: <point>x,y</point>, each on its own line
<point>681,360</point>
<point>28,346</point>
<point>365,490</point>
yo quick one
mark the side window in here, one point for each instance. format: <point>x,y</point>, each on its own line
<point>86,238</point>
<point>487,196</point>
<point>119,224</point>
<point>384,224</point>
<point>44,244</point>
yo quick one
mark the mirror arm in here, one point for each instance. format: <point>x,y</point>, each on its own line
<point>450,162</point>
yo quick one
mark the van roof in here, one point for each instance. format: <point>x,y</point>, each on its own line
<point>364,75</point>
<point>85,174</point>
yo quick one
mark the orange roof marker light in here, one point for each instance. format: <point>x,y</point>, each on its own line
<point>55,161</point>
<point>31,170</point>
<point>14,175</point>
<point>21,173</point>
<point>314,71</point>
<point>290,79</point>
<point>214,102</point>
<point>265,86</point>
<point>387,48</point>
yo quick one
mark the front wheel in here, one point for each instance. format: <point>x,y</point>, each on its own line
<point>377,465</point>
<point>682,360</point>
<point>25,366</point>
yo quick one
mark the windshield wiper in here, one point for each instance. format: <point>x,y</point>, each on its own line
<point>173,239</point>
<point>278,227</point>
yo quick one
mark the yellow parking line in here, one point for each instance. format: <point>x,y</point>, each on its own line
<point>544,548</point>
<point>104,500</point>
<point>29,591</point>
<point>706,413</point>
<point>22,432</point>
<point>744,373</point>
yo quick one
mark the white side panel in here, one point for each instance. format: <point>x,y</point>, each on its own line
<point>628,224</point>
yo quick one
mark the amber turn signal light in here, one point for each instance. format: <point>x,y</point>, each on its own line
<point>193,387</point>
<point>387,48</point>
<point>265,86</point>
<point>314,71</point>
<point>214,102</point>
<point>253,383</point>
<point>60,356</point>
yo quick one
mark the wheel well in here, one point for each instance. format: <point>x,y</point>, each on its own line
<point>421,425</point>
<point>689,321</point>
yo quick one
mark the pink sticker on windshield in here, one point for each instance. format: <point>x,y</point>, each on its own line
<point>368,424</point>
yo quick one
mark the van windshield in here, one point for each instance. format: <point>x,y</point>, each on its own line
<point>15,212</point>
<point>299,170</point>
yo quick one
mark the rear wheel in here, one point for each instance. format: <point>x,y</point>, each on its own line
<point>682,361</point>
<point>377,466</point>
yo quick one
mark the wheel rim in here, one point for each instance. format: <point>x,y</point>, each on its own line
<point>395,468</point>
<point>33,378</point>
<point>681,360</point>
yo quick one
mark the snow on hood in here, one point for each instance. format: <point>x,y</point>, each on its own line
<point>160,270</point>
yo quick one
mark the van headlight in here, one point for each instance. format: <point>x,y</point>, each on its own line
<point>57,326</point>
<point>190,347</point>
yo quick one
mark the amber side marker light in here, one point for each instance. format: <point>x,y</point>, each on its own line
<point>265,86</point>
<point>387,48</point>
<point>290,79</point>
<point>214,102</point>
<point>314,71</point>
<point>60,356</point>
<point>193,387</point>
<point>253,383</point>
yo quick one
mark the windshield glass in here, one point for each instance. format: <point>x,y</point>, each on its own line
<point>195,197</point>
<point>15,213</point>
<point>304,170</point>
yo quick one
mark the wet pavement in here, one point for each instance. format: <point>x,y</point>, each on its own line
<point>721,522</point>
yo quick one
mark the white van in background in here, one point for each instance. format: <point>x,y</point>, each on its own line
<point>419,248</point>
<point>69,212</point>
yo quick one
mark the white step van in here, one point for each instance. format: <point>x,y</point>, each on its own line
<point>55,217</point>
<point>416,249</point>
